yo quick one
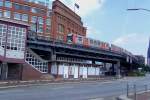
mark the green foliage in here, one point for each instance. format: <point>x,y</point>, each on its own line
<point>145,68</point>
<point>137,73</point>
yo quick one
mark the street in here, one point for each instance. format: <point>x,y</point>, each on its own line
<point>71,91</point>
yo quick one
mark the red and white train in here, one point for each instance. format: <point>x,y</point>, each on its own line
<point>88,42</point>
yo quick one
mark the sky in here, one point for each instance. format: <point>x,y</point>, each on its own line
<point>109,21</point>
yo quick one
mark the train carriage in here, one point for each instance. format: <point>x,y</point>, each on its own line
<point>88,42</point>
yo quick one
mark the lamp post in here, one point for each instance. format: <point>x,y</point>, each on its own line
<point>135,9</point>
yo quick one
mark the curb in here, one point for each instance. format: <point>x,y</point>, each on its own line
<point>14,84</point>
<point>123,97</point>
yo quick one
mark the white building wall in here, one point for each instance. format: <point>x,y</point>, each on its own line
<point>66,70</point>
<point>60,69</point>
<point>54,68</point>
<point>76,72</point>
<point>97,71</point>
<point>81,70</point>
<point>85,72</point>
<point>1,51</point>
<point>15,54</point>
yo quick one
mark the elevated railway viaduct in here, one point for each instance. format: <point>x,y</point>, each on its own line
<point>58,52</point>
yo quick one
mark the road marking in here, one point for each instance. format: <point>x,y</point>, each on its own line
<point>62,88</point>
<point>97,99</point>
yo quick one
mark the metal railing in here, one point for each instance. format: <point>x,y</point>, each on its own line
<point>36,61</point>
<point>33,36</point>
<point>132,90</point>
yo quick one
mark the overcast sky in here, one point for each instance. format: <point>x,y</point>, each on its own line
<point>109,21</point>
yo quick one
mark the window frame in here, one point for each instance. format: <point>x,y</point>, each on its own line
<point>7,12</point>
<point>17,16</point>
<point>8,4</point>
<point>25,17</point>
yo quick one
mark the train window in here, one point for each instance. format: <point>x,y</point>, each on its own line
<point>91,41</point>
<point>69,39</point>
<point>95,43</point>
<point>80,39</point>
<point>98,43</point>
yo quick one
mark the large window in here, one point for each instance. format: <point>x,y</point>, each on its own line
<point>17,16</point>
<point>21,7</point>
<point>8,4</point>
<point>17,6</point>
<point>24,17</point>
<point>25,8</point>
<point>60,28</point>
<point>49,13</point>
<point>34,23</point>
<point>7,14</point>
<point>39,11</point>
<point>1,3</point>
<point>40,28</point>
<point>48,27</point>
<point>33,27</point>
<point>33,10</point>
<point>34,19</point>
<point>37,24</point>
<point>1,13</point>
<point>48,21</point>
<point>16,38</point>
<point>3,30</point>
<point>40,24</point>
<point>40,20</point>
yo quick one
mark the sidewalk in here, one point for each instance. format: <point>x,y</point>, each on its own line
<point>142,96</point>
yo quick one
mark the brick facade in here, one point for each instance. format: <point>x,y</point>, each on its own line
<point>70,21</point>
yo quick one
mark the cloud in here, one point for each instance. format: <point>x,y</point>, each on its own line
<point>125,39</point>
<point>133,42</point>
<point>130,39</point>
<point>93,33</point>
<point>85,9</point>
<point>86,6</point>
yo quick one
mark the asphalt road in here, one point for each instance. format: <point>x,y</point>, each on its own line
<point>73,91</point>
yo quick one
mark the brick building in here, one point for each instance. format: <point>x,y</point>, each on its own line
<point>65,21</point>
<point>22,18</point>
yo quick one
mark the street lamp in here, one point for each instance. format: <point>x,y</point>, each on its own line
<point>135,9</point>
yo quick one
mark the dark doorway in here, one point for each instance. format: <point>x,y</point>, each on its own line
<point>14,71</point>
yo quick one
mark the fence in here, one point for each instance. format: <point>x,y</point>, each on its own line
<point>135,89</point>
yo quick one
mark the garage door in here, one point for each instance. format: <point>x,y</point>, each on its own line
<point>84,72</point>
<point>65,71</point>
<point>76,72</point>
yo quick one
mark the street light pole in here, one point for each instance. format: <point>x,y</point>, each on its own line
<point>135,9</point>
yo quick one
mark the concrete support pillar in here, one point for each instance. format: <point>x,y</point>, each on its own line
<point>104,68</point>
<point>104,65</point>
<point>113,69</point>
<point>53,54</point>
<point>4,71</point>
<point>93,61</point>
<point>20,71</point>
<point>118,73</point>
<point>53,59</point>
